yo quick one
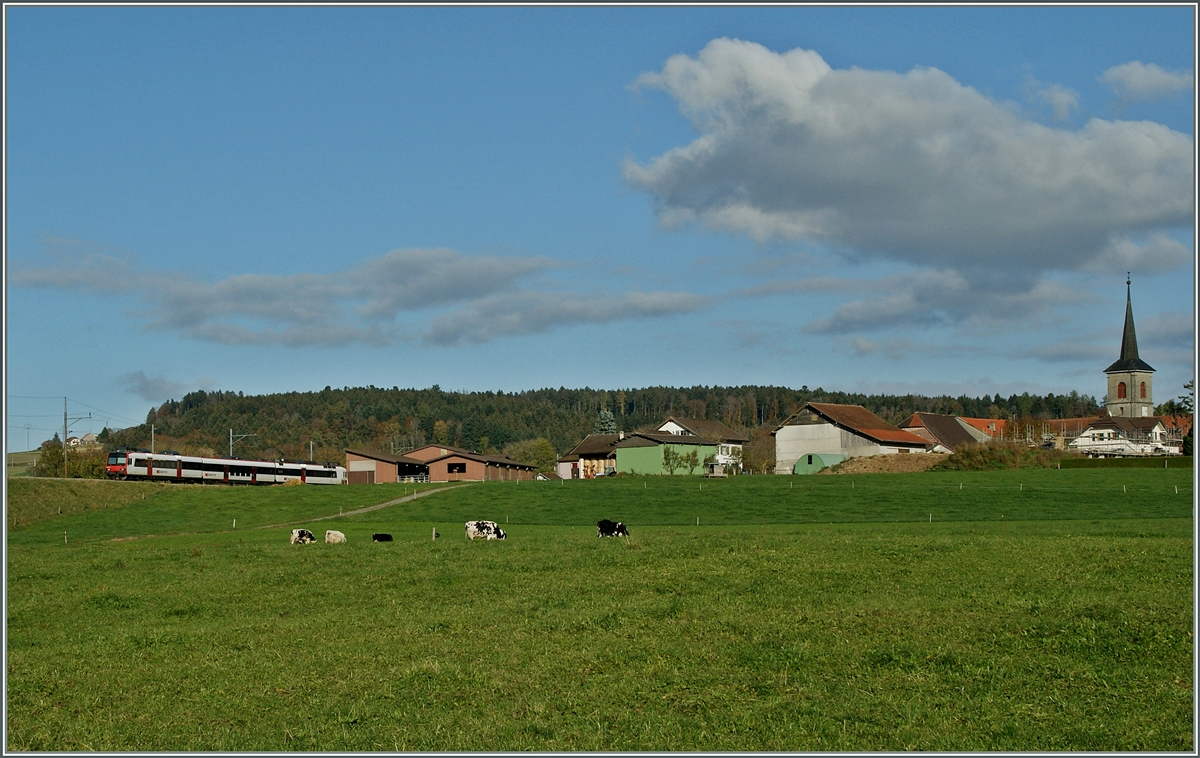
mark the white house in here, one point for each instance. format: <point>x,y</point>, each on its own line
<point>729,442</point>
<point>1126,436</point>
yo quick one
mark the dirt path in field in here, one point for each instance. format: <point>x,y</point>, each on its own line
<point>369,508</point>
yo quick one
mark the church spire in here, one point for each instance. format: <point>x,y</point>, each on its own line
<point>1129,360</point>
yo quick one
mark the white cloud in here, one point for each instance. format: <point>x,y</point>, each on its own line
<point>1136,81</point>
<point>536,312</point>
<point>899,349</point>
<point>1158,254</point>
<point>1168,329</point>
<point>942,298</point>
<point>380,302</point>
<point>909,167</point>
<point>1060,99</point>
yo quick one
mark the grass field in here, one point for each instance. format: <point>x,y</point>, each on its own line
<point>1024,610</point>
<point>20,464</point>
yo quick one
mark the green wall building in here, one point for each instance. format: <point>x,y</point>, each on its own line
<point>642,453</point>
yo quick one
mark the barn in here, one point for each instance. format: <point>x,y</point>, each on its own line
<point>433,463</point>
<point>369,467</point>
<point>847,430</point>
<point>947,433</point>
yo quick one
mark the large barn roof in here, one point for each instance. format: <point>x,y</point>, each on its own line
<point>592,446</point>
<point>945,429</point>
<point>860,420</point>
<point>650,439</point>
<point>387,457</point>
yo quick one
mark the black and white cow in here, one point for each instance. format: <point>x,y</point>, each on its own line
<point>606,528</point>
<point>381,538</point>
<point>487,529</point>
<point>302,537</point>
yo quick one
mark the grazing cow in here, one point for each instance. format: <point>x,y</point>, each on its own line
<point>302,537</point>
<point>606,528</point>
<point>332,537</point>
<point>381,538</point>
<point>487,529</point>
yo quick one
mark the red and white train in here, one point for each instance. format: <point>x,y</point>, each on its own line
<point>140,464</point>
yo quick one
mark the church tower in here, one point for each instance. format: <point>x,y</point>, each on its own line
<point>1129,378</point>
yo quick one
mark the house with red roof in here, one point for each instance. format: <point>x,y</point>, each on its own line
<point>947,433</point>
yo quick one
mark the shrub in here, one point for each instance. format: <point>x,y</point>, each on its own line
<point>1001,455</point>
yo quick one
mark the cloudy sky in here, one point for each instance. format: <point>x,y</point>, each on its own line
<point>263,200</point>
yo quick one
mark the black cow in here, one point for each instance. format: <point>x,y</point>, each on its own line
<point>381,538</point>
<point>606,528</point>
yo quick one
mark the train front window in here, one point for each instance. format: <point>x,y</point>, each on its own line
<point>116,459</point>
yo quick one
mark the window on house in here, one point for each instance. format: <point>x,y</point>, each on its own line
<point>1143,390</point>
<point>1120,390</point>
<point>456,468</point>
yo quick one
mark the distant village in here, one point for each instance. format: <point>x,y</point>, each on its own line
<point>815,437</point>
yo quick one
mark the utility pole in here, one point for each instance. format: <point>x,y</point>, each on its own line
<point>310,451</point>
<point>64,439</point>
<point>233,438</point>
<point>152,438</point>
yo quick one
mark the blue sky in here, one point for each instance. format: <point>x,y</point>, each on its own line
<point>867,199</point>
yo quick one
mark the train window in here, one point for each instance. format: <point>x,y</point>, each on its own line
<point>217,467</point>
<point>116,459</point>
<point>192,466</point>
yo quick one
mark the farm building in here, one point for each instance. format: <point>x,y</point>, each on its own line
<point>846,430</point>
<point>992,427</point>
<point>473,467</point>
<point>594,456</point>
<point>368,467</point>
<point>811,463</point>
<point>433,463</point>
<point>947,433</point>
<point>649,452</point>
<point>729,442</point>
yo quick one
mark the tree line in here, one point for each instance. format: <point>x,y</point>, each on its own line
<point>321,425</point>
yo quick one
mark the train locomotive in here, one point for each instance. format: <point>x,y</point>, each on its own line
<point>172,467</point>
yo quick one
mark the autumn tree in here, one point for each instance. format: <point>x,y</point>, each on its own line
<point>758,455</point>
<point>536,452</point>
<point>50,459</point>
<point>441,432</point>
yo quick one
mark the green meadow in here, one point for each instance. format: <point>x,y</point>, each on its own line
<point>1013,610</point>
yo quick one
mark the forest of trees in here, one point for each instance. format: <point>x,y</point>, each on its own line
<point>394,420</point>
